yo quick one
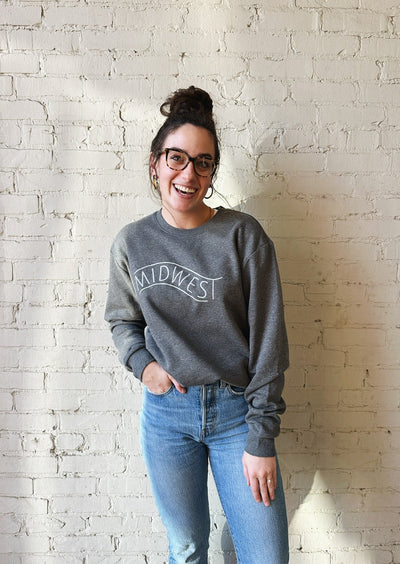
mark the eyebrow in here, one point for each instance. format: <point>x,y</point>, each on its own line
<point>206,155</point>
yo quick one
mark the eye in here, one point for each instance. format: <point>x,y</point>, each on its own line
<point>176,157</point>
<point>204,164</point>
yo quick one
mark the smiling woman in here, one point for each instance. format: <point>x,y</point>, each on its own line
<point>195,308</point>
<point>182,188</point>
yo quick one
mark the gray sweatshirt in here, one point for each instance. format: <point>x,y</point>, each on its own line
<point>206,304</point>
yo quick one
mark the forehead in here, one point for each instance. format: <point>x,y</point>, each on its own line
<point>192,139</point>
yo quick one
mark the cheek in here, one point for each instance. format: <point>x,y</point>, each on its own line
<point>207,185</point>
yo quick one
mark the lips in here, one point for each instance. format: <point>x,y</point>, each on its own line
<point>185,190</point>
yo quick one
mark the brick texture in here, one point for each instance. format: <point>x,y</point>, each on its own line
<point>308,105</point>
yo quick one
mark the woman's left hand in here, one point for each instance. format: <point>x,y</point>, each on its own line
<point>260,473</point>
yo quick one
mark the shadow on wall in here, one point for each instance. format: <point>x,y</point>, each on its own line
<point>336,447</point>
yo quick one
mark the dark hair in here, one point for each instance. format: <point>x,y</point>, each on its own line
<point>187,105</point>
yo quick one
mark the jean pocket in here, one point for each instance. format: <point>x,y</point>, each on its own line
<point>163,394</point>
<point>235,390</point>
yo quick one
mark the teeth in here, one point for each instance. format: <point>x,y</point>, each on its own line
<point>185,189</point>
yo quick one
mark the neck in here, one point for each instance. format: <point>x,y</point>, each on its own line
<point>185,220</point>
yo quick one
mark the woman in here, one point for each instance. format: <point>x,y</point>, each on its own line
<point>196,313</point>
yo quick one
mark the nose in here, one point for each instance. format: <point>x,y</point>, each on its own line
<point>189,170</point>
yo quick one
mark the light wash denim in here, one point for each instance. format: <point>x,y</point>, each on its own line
<point>180,433</point>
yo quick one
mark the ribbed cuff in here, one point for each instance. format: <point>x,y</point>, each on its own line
<point>258,446</point>
<point>138,361</point>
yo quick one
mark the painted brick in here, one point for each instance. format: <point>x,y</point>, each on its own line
<point>358,21</point>
<point>380,94</point>
<point>295,67</point>
<point>380,47</point>
<point>17,204</point>
<point>46,270</point>
<point>41,87</point>
<point>45,40</point>
<point>93,465</point>
<point>249,42</point>
<point>6,85</point>
<point>49,181</point>
<point>86,16</point>
<point>142,65</point>
<point>70,293</point>
<point>324,91</point>
<point>268,91</point>
<point>293,162</point>
<point>19,110</point>
<point>7,180</point>
<point>327,44</point>
<point>20,15</point>
<point>26,337</point>
<point>78,112</point>
<point>364,141</point>
<point>7,315</point>
<point>279,21</point>
<point>25,250</point>
<point>332,4</point>
<point>13,544</point>
<point>379,228</point>
<point>24,158</point>
<point>46,402</point>
<point>93,422</point>
<point>117,88</point>
<point>364,69</point>
<point>5,271</point>
<point>106,40</point>
<point>80,204</point>
<point>145,18</point>
<point>310,558</point>
<point>6,404</point>
<point>78,381</point>
<point>19,63</point>
<point>11,293</point>
<point>16,380</point>
<point>106,136</point>
<point>10,487</point>
<point>86,160</point>
<point>39,358</point>
<point>194,66</point>
<point>77,65</point>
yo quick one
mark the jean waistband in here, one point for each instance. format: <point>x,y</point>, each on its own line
<point>218,384</point>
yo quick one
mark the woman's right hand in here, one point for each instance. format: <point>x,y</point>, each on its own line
<point>158,381</point>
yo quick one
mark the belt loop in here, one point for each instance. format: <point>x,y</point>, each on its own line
<point>222,384</point>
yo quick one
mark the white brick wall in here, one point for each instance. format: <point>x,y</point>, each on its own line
<point>308,102</point>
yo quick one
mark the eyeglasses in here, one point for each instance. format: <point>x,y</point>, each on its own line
<point>177,159</point>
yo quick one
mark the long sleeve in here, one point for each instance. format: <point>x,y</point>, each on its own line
<point>268,350</point>
<point>125,318</point>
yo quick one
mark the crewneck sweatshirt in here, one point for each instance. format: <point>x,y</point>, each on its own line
<point>206,304</point>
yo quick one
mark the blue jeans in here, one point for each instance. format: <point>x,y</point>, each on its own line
<point>180,433</point>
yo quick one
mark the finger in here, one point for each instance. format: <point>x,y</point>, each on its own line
<point>177,385</point>
<point>271,488</point>
<point>246,474</point>
<point>255,488</point>
<point>265,493</point>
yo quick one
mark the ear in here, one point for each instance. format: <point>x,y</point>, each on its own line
<point>153,165</point>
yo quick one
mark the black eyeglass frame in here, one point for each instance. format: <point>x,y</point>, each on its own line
<point>190,160</point>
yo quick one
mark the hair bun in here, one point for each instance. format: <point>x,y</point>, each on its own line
<point>187,101</point>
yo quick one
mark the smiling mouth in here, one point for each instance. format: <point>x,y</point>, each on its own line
<point>185,190</point>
